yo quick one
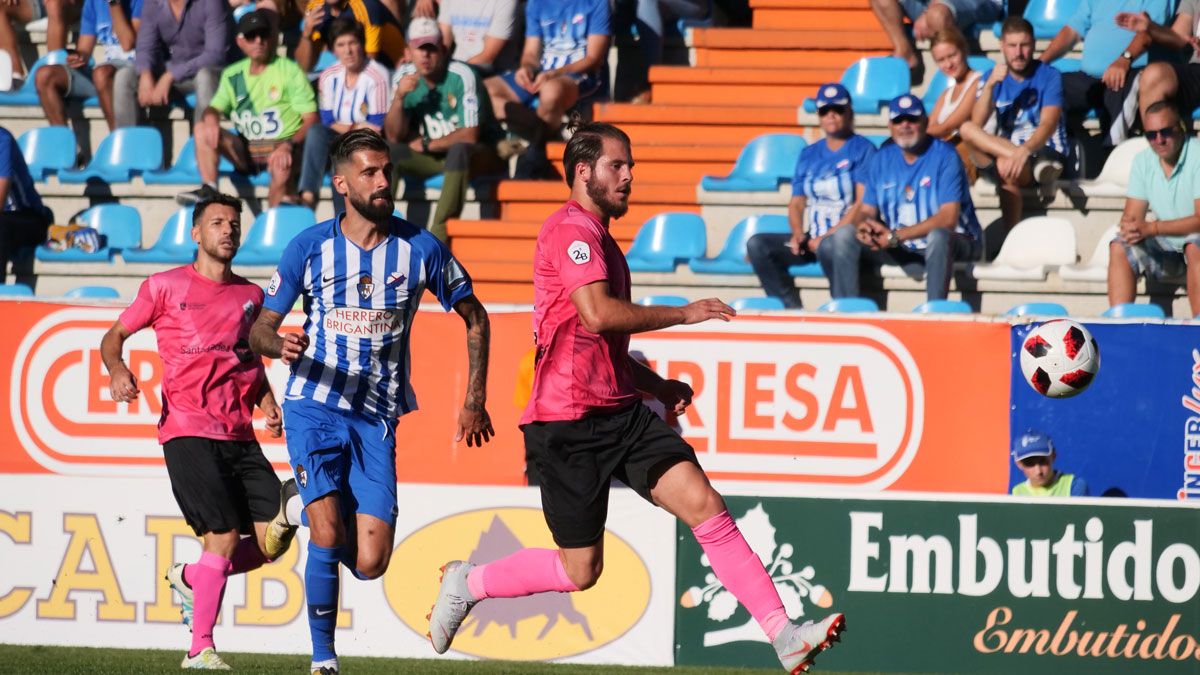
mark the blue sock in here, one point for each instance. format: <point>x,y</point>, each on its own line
<point>321,591</point>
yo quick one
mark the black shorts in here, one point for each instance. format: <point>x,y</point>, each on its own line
<point>1188,96</point>
<point>221,485</point>
<point>577,459</point>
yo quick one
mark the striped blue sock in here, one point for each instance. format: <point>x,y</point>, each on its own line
<point>321,591</point>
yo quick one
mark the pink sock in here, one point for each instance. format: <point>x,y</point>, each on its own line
<point>740,570</point>
<point>207,579</point>
<point>247,557</point>
<point>528,571</point>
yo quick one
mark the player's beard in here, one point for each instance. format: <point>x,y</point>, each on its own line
<point>611,208</point>
<point>369,210</point>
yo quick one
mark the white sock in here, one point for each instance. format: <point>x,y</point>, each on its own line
<point>295,506</point>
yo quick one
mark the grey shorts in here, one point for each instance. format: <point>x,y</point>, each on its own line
<point>1155,258</point>
<point>966,13</point>
<point>79,80</point>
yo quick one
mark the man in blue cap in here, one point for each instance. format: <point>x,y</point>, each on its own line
<point>916,210</point>
<point>824,194</point>
<point>1033,451</point>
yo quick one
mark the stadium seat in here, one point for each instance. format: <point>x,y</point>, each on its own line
<point>271,232</point>
<point>812,270</point>
<point>766,302</point>
<point>1030,249</point>
<point>872,82</point>
<point>1096,268</point>
<point>1134,310</point>
<point>1047,16</point>
<point>243,10</point>
<point>122,154</point>
<point>174,246</point>
<point>943,307</point>
<point>120,226</point>
<point>47,150</point>
<point>27,94</point>
<point>763,165</point>
<point>15,291</point>
<point>184,171</point>
<point>732,257</point>
<point>1113,180</point>
<point>664,300</point>
<point>92,292</point>
<point>666,240</point>
<point>878,139</point>
<point>1068,64</point>
<point>1037,309</point>
<point>849,305</point>
<point>939,81</point>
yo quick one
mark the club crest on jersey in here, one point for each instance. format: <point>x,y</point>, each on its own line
<point>454,275</point>
<point>579,252</point>
<point>365,286</point>
<point>395,279</point>
<point>248,310</point>
<point>843,164</point>
<point>301,475</point>
<point>926,181</point>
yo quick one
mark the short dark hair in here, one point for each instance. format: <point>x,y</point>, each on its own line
<point>219,198</point>
<point>345,25</point>
<point>587,144</point>
<point>1016,24</point>
<point>353,141</point>
<point>1159,106</point>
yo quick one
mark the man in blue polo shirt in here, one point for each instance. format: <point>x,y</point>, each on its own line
<point>23,217</point>
<point>916,208</point>
<point>824,192</point>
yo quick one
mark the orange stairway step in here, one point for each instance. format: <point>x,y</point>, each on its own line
<point>638,213</point>
<point>699,134</point>
<point>757,5</point>
<point>696,94</point>
<point>861,20</point>
<point>468,250</point>
<point>756,38</point>
<point>681,173</point>
<point>782,58</point>
<point>503,292</point>
<point>673,153</point>
<point>658,113</point>
<point>622,230</point>
<point>501,270</point>
<point>515,191</point>
<point>765,76</point>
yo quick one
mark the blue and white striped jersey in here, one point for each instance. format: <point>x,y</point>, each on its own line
<point>826,179</point>
<point>360,305</point>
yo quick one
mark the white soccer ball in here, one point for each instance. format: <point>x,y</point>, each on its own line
<point>1059,358</point>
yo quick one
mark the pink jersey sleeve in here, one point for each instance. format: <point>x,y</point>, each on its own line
<point>143,310</point>
<point>577,254</point>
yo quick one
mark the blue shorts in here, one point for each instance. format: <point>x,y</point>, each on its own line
<point>966,13</point>
<point>588,83</point>
<point>1156,258</point>
<point>340,451</point>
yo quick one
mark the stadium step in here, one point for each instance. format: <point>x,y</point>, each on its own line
<point>759,94</point>
<point>678,173</point>
<point>781,58</point>
<point>855,40</point>
<point>515,191</point>
<point>766,76</point>
<point>638,212</point>
<point>701,134</point>
<point>826,18</point>
<point>622,230</point>
<point>725,154</point>
<point>658,113</point>
<point>511,292</point>
<point>758,5</point>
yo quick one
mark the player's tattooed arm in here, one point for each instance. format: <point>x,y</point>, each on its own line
<point>266,341</point>
<point>121,383</point>
<point>474,424</point>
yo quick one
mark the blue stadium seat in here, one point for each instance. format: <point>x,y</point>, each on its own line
<point>812,269</point>
<point>15,291</point>
<point>732,257</point>
<point>1068,64</point>
<point>1047,16</point>
<point>92,293</point>
<point>1134,310</point>
<point>1038,309</point>
<point>243,10</point>
<point>184,171</point>
<point>174,246</point>
<point>119,224</point>
<point>943,307</point>
<point>271,232</point>
<point>664,300</point>
<point>47,150</point>
<point>764,164</point>
<point>27,94</point>
<point>667,240</point>
<point>766,302</point>
<point>872,82</point>
<point>122,154</point>
<point>325,60</point>
<point>849,305</point>
<point>939,82</point>
<point>878,139</point>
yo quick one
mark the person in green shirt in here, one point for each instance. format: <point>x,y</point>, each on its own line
<point>1033,451</point>
<point>440,121</point>
<point>271,104</point>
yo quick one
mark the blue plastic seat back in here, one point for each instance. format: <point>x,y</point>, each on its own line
<point>174,244</point>
<point>764,163</point>
<point>1068,64</point>
<point>872,82</point>
<point>764,303</point>
<point>849,305</point>
<point>939,82</point>
<point>1037,309</point>
<point>271,232</point>
<point>47,150</point>
<point>943,307</point>
<point>666,240</point>
<point>92,292</point>
<point>27,94</point>
<point>732,257</point>
<point>120,224</point>
<point>664,300</point>
<point>123,153</point>
<point>1049,16</point>
<point>1135,310</point>
<point>185,171</point>
<point>15,291</point>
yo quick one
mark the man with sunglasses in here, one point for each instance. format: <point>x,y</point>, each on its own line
<point>916,210</point>
<point>1034,455</point>
<point>824,194</point>
<point>1165,179</point>
<point>1016,129</point>
<point>271,104</point>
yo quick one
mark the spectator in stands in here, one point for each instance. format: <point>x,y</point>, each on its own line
<point>352,94</point>
<point>929,17</point>
<point>648,16</point>
<point>381,27</point>
<point>1112,56</point>
<point>1016,129</point>
<point>181,48</point>
<point>826,190</point>
<point>113,28</point>
<point>440,121</point>
<point>1165,179</point>
<point>481,32</point>
<point>915,208</point>
<point>565,57</point>
<point>23,218</point>
<point>59,15</point>
<point>271,104</point>
<point>954,106</point>
<point>1169,80</point>
<point>1033,452</point>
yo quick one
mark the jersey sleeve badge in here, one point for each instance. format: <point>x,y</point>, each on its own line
<point>579,252</point>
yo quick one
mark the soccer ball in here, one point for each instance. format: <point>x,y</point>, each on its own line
<point>1059,358</point>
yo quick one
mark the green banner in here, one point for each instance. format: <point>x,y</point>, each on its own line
<point>960,586</point>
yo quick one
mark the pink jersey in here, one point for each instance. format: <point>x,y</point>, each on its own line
<point>578,372</point>
<point>211,379</point>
